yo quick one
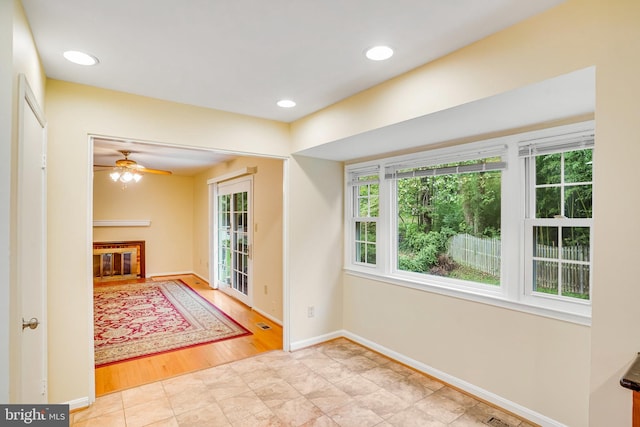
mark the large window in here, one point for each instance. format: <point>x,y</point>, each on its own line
<point>508,219</point>
<point>448,220</point>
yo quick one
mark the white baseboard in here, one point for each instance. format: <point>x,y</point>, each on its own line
<point>267,315</point>
<point>80,403</point>
<point>200,277</point>
<point>297,345</point>
<point>169,273</point>
<point>442,376</point>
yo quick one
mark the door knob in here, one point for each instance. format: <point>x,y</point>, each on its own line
<point>31,324</point>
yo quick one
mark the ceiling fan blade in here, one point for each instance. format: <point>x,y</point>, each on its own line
<point>155,171</point>
<point>103,166</point>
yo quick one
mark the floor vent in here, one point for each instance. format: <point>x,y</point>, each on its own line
<point>263,326</point>
<point>496,422</point>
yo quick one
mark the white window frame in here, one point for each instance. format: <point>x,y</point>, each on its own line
<point>572,139</point>
<point>515,290</point>
<point>352,207</point>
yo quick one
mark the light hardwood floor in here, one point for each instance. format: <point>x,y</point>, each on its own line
<point>128,374</point>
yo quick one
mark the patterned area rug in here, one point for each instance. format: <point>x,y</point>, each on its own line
<point>143,319</point>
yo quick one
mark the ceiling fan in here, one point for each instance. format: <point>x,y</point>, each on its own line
<point>127,170</point>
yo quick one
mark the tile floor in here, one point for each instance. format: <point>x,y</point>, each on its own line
<point>338,383</point>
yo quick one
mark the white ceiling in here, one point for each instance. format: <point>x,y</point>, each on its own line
<point>244,55</point>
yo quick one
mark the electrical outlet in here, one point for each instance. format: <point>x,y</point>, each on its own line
<point>265,289</point>
<point>311,311</point>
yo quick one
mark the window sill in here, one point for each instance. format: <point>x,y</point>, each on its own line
<point>582,315</point>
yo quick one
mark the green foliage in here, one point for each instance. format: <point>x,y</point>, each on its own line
<point>576,167</point>
<point>434,208</point>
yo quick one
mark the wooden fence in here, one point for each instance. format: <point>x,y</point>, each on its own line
<point>483,254</point>
<point>478,253</point>
<point>575,276</point>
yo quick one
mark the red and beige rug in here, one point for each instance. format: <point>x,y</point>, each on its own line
<point>143,319</point>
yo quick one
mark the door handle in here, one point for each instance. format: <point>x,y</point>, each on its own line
<point>31,324</point>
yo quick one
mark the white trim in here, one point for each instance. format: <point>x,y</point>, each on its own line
<point>27,94</point>
<point>298,345</point>
<point>91,355</point>
<point>122,223</point>
<point>286,297</point>
<point>267,315</point>
<point>249,170</point>
<point>200,277</point>
<point>169,273</point>
<point>81,403</point>
<point>456,382</point>
<point>212,224</point>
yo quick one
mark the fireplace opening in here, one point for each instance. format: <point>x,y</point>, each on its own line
<point>118,260</point>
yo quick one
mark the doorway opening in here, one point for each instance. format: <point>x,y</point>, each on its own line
<point>160,211</point>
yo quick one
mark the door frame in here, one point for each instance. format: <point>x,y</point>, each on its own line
<point>213,235</point>
<point>28,102</point>
<point>286,309</point>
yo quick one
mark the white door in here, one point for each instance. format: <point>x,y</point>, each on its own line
<point>31,246</point>
<point>233,233</point>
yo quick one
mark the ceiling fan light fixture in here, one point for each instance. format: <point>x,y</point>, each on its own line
<point>379,53</point>
<point>127,170</point>
<point>125,176</point>
<point>80,58</point>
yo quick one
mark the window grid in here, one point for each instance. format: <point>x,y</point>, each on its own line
<point>365,218</point>
<point>558,267</point>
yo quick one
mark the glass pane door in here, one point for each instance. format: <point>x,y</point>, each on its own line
<point>240,243</point>
<point>233,234</point>
<point>224,239</point>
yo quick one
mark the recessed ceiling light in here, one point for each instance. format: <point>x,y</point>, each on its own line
<point>286,103</point>
<point>379,53</point>
<point>80,58</point>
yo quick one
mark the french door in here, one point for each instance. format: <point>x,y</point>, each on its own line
<point>233,235</point>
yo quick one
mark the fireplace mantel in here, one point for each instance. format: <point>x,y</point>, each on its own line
<point>122,223</point>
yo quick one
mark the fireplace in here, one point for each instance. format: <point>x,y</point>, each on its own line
<point>118,260</point>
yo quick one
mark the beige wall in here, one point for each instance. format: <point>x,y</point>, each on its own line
<point>165,200</point>
<point>574,35</point>
<point>74,112</point>
<point>267,236</point>
<point>315,242</point>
